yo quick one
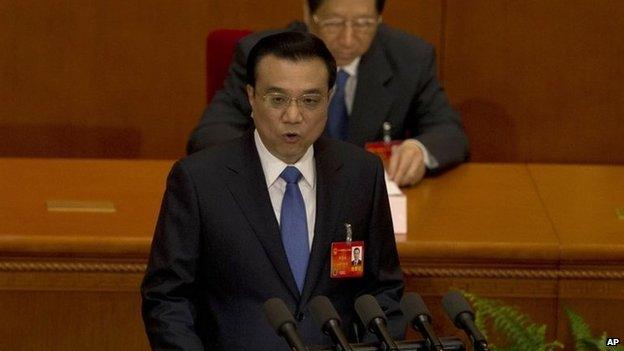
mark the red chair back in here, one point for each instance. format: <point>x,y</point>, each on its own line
<point>220,45</point>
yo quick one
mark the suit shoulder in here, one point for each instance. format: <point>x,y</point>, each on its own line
<point>209,159</point>
<point>402,45</point>
<point>350,154</point>
<point>397,38</point>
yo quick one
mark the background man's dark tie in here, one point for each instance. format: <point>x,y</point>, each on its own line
<point>338,117</point>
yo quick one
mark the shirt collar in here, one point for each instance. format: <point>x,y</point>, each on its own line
<point>273,166</point>
<point>352,67</point>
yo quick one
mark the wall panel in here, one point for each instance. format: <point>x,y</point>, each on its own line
<point>420,17</point>
<point>124,79</point>
<point>535,81</point>
<point>538,81</point>
<point>117,72</point>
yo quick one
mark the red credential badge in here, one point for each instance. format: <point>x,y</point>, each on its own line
<point>347,259</point>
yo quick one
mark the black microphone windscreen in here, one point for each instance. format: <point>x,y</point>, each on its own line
<point>276,311</point>
<point>454,304</point>
<point>413,305</point>
<point>368,309</point>
<point>322,310</point>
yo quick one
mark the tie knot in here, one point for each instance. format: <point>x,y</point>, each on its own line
<point>341,78</point>
<point>291,175</point>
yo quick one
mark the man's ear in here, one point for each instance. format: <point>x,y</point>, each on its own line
<point>250,95</point>
<point>307,17</point>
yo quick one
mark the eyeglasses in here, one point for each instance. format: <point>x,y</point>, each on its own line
<point>337,24</point>
<point>306,102</point>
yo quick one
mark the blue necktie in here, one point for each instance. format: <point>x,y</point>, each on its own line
<point>294,226</point>
<point>338,117</point>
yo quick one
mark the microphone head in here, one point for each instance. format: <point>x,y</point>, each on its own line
<point>277,313</point>
<point>455,304</point>
<point>413,306</point>
<point>368,309</point>
<point>322,311</point>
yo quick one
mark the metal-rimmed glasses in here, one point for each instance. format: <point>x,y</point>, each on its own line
<point>335,25</point>
<point>310,102</point>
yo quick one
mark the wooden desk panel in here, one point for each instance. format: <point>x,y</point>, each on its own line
<point>507,231</point>
<point>71,320</point>
<point>481,228</point>
<point>478,212</point>
<point>581,201</point>
<point>135,188</point>
<point>70,280</point>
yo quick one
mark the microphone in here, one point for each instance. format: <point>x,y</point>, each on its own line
<point>374,320</point>
<point>459,310</point>
<point>283,322</point>
<point>419,317</point>
<point>328,320</point>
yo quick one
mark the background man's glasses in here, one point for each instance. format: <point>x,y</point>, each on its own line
<point>305,102</point>
<point>336,24</point>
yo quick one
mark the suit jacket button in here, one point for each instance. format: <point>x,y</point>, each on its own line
<point>300,316</point>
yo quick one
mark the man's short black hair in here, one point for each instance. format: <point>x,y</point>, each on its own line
<point>314,5</point>
<point>294,46</point>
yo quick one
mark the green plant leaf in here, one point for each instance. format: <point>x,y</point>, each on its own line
<point>580,332</point>
<point>519,332</point>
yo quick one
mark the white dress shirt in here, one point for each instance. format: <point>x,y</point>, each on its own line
<point>273,167</point>
<point>352,69</point>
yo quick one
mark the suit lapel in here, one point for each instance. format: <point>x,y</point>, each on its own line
<point>245,180</point>
<point>329,182</point>
<point>373,98</point>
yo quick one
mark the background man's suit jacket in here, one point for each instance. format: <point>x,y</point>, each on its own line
<point>396,83</point>
<point>217,254</point>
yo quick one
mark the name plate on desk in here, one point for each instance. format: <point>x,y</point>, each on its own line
<point>80,206</point>
<point>398,207</point>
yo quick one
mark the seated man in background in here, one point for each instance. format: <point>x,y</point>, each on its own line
<point>257,217</point>
<point>384,75</point>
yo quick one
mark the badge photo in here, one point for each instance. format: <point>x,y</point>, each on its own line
<point>347,259</point>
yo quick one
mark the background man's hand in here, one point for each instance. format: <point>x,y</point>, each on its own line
<point>407,163</point>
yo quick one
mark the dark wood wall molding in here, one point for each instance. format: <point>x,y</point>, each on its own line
<point>534,81</point>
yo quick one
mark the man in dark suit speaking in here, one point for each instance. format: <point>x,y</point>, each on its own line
<point>262,216</point>
<point>385,76</point>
